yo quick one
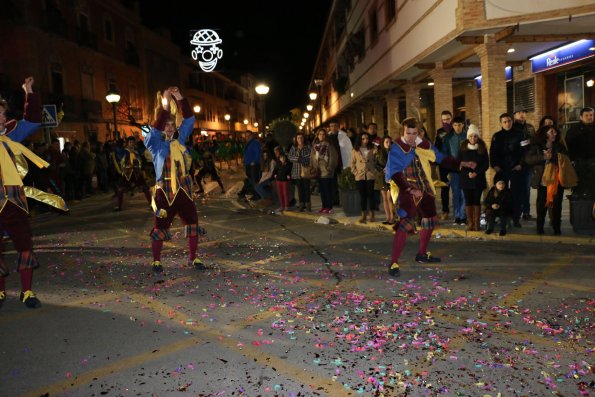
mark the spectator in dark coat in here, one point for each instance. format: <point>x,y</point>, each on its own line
<point>498,203</point>
<point>473,181</point>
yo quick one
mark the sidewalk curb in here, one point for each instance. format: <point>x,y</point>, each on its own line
<point>441,231</point>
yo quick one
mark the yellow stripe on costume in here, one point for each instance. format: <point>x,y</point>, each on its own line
<point>10,174</point>
<point>426,157</point>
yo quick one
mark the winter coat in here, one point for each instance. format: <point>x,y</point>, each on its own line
<point>503,199</point>
<point>535,159</point>
<point>282,172</point>
<point>482,161</point>
<point>324,156</point>
<point>363,168</point>
<point>299,157</point>
<point>506,151</point>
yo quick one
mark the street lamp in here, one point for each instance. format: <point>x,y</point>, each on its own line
<point>262,90</point>
<point>113,98</point>
<point>318,83</point>
<point>227,118</point>
<point>197,110</point>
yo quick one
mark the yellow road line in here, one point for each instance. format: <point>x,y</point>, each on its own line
<point>117,366</point>
<point>530,285</point>
<point>49,310</point>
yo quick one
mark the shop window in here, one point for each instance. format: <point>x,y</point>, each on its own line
<point>524,95</point>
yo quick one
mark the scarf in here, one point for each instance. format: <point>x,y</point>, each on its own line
<point>552,189</point>
<point>322,151</point>
<point>10,174</point>
<point>176,155</point>
<point>472,147</point>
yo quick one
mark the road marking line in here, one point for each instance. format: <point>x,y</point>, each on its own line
<point>84,378</point>
<point>527,287</point>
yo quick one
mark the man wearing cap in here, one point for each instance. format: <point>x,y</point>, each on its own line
<point>528,131</point>
<point>173,184</point>
<point>410,173</point>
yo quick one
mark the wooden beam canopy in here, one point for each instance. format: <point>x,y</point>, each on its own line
<point>530,38</point>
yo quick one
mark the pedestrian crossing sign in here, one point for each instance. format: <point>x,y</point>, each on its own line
<point>49,116</point>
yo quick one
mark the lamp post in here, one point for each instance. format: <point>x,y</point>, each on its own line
<point>113,98</point>
<point>317,94</point>
<point>197,110</point>
<point>262,90</point>
<point>227,118</point>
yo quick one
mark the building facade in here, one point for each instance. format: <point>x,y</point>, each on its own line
<point>383,60</point>
<point>80,50</point>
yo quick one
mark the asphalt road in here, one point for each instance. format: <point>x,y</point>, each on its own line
<point>288,307</point>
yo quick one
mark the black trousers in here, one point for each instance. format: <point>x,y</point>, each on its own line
<point>556,208</point>
<point>303,186</point>
<point>472,196</point>
<point>366,194</point>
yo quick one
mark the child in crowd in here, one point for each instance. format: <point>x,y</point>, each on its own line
<point>498,204</point>
<point>282,176</point>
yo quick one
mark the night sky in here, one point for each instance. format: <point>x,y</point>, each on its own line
<point>276,41</point>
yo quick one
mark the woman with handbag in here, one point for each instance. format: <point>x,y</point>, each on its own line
<point>545,150</point>
<point>324,158</point>
<point>302,170</point>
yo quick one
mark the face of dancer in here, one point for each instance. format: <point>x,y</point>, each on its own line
<point>410,135</point>
<point>170,128</point>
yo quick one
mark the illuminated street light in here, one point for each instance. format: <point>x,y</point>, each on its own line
<point>113,98</point>
<point>309,108</point>
<point>262,90</point>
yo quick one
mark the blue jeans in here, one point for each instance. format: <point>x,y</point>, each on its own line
<point>264,189</point>
<point>458,198</point>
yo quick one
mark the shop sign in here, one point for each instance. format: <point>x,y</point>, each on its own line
<point>507,71</point>
<point>564,55</point>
